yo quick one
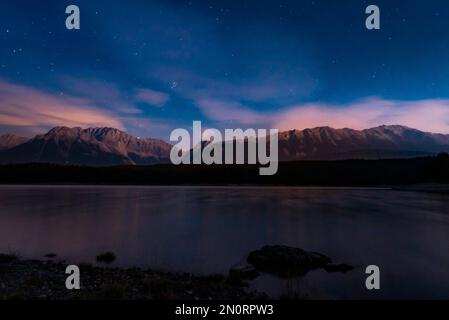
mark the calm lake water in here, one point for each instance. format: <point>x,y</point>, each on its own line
<point>206,230</point>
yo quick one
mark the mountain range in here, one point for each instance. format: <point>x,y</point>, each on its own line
<point>325,143</point>
<point>110,146</point>
<point>92,146</point>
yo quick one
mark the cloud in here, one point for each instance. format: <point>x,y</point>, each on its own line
<point>31,110</point>
<point>430,115</point>
<point>426,115</point>
<point>147,127</point>
<point>229,111</point>
<point>102,94</point>
<point>152,97</point>
<point>268,86</point>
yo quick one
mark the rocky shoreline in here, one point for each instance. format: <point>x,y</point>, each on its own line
<point>45,280</point>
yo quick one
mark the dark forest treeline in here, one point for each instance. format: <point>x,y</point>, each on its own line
<point>303,173</point>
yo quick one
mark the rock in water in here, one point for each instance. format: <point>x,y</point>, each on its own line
<point>243,272</point>
<point>286,261</point>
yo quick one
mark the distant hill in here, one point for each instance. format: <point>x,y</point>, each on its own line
<point>93,146</point>
<point>9,141</point>
<point>109,146</point>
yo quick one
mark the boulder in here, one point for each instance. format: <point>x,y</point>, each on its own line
<point>244,272</point>
<point>286,261</point>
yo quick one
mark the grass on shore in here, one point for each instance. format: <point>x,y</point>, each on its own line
<point>106,257</point>
<point>8,257</point>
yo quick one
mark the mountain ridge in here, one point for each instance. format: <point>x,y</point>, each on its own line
<point>8,141</point>
<point>91,146</point>
<point>110,146</point>
<point>325,143</point>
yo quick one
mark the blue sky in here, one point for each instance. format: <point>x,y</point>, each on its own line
<point>149,67</point>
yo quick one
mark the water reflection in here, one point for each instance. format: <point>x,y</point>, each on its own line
<point>207,230</point>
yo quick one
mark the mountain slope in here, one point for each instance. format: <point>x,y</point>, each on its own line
<point>324,143</point>
<point>109,146</point>
<point>93,146</point>
<point>9,141</point>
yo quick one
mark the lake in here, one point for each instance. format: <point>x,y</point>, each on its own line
<point>207,230</point>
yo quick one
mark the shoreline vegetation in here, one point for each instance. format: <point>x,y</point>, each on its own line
<point>342,173</point>
<point>45,280</point>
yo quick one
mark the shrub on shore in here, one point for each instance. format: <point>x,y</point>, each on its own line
<point>7,257</point>
<point>106,257</point>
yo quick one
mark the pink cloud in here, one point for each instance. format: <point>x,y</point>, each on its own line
<point>152,97</point>
<point>26,107</point>
<point>427,115</point>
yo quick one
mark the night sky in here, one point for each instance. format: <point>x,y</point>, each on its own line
<point>149,67</point>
